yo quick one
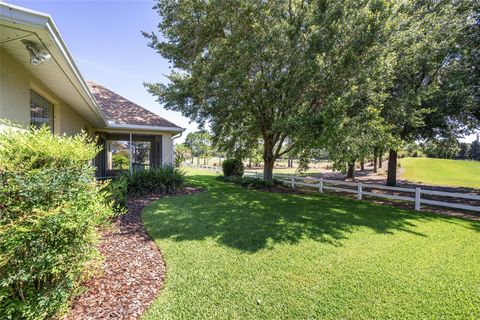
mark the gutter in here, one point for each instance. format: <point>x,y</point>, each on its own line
<point>144,127</point>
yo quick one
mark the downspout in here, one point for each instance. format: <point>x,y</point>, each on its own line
<point>131,154</point>
<point>173,151</point>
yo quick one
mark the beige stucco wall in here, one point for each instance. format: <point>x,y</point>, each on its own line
<point>14,91</point>
<point>15,85</point>
<point>167,149</point>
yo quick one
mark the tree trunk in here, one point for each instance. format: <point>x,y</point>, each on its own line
<point>268,171</point>
<point>375,159</point>
<point>362,165</point>
<point>351,170</point>
<point>268,158</point>
<point>380,158</point>
<point>392,168</point>
<point>290,162</point>
<point>250,163</point>
<point>205,161</point>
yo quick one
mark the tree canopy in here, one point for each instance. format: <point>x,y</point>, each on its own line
<point>297,76</point>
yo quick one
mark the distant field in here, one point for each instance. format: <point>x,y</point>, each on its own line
<point>444,172</point>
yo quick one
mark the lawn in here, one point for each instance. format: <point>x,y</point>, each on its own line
<point>232,253</point>
<point>460,173</point>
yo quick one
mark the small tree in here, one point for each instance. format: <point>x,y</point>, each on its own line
<point>200,144</point>
<point>463,152</point>
<point>120,161</point>
<point>474,152</point>
<point>182,153</point>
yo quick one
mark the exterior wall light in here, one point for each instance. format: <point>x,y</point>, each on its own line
<point>37,55</point>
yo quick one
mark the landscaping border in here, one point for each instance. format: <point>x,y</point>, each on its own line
<point>133,270</point>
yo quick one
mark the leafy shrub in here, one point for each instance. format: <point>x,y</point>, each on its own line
<point>250,182</point>
<point>167,179</point>
<point>232,168</point>
<point>120,161</point>
<point>117,190</point>
<point>50,208</point>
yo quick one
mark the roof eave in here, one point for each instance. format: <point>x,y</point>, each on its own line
<point>145,128</point>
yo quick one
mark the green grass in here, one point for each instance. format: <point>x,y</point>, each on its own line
<point>459,173</point>
<point>232,253</point>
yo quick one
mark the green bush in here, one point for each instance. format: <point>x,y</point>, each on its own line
<point>120,161</point>
<point>117,190</point>
<point>232,168</point>
<point>167,179</point>
<point>50,208</point>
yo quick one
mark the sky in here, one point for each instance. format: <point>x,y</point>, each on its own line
<point>105,40</point>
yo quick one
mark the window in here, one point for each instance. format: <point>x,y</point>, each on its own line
<point>121,155</point>
<point>141,155</point>
<point>41,111</point>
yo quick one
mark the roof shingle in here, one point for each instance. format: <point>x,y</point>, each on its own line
<point>118,110</point>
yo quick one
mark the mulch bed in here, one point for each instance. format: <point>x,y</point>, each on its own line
<point>133,269</point>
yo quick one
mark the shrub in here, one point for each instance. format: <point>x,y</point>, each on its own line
<point>120,161</point>
<point>167,179</point>
<point>117,190</point>
<point>232,168</point>
<point>50,208</point>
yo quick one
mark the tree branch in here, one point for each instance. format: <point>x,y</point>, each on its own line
<point>286,150</point>
<point>279,146</point>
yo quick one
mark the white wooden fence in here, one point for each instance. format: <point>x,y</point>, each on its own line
<point>367,189</point>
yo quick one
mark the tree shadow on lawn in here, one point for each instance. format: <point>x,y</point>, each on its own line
<point>251,220</point>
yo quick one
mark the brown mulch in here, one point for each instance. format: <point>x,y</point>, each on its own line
<point>133,269</point>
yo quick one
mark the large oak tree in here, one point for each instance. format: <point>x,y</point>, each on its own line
<point>261,69</point>
<point>434,88</point>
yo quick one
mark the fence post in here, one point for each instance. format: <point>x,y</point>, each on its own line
<point>359,191</point>
<point>293,182</point>
<point>320,187</point>
<point>417,199</point>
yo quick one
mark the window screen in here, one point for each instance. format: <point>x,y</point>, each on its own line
<point>41,111</point>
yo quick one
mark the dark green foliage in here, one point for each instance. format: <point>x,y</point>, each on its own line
<point>442,148</point>
<point>232,168</point>
<point>118,191</point>
<point>463,151</point>
<point>50,208</point>
<point>474,152</point>
<point>250,182</point>
<point>166,179</point>
<point>200,144</point>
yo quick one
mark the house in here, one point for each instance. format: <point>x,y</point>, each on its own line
<point>41,84</point>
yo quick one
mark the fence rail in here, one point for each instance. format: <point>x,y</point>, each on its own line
<point>357,188</point>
